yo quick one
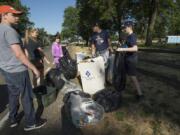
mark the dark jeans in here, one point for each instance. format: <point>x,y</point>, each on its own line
<point>19,84</point>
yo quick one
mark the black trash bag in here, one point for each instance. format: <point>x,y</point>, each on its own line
<point>110,69</point>
<point>68,67</point>
<point>53,78</point>
<point>64,61</point>
<point>40,90</point>
<point>72,70</point>
<point>109,99</point>
<point>119,72</point>
<point>66,52</point>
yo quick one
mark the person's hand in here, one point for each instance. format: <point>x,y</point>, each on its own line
<point>119,49</point>
<point>111,50</point>
<point>41,61</point>
<point>93,54</point>
<point>48,62</point>
<point>36,72</point>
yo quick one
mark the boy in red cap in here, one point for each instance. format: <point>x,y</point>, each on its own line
<point>14,65</point>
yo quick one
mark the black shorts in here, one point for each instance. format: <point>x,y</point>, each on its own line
<point>130,65</point>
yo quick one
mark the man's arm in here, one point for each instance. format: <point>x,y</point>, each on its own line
<point>110,45</point>
<point>22,57</point>
<point>131,49</point>
<point>93,50</point>
<point>26,53</point>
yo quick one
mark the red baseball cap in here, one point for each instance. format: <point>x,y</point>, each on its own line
<point>9,9</point>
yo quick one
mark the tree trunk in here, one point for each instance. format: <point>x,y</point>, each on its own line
<point>152,20</point>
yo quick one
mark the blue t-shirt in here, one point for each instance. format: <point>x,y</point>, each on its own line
<point>100,40</point>
<point>130,42</point>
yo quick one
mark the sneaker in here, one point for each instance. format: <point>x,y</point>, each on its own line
<point>38,125</point>
<point>13,124</point>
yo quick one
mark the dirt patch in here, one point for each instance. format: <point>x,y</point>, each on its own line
<point>74,49</point>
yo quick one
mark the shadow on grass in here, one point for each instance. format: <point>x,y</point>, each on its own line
<point>161,98</point>
<point>159,76</point>
<point>169,64</point>
<point>45,97</point>
<point>67,126</point>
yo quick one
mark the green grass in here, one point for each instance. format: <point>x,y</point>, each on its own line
<point>120,116</point>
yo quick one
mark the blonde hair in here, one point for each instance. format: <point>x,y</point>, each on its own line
<point>28,35</point>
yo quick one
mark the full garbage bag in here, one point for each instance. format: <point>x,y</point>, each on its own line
<point>82,109</point>
<point>119,71</point>
<point>68,65</point>
<point>68,68</point>
<point>110,68</point>
<point>66,52</point>
<point>53,78</point>
<point>109,99</point>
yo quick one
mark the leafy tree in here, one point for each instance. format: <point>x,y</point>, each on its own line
<point>153,11</point>
<point>163,19</point>
<point>70,24</point>
<point>88,14</point>
<point>109,13</point>
<point>153,18</point>
<point>172,16</point>
<point>43,37</point>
